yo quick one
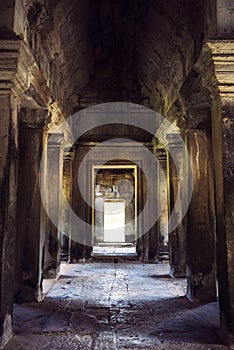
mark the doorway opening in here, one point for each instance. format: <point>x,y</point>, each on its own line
<point>114,213</point>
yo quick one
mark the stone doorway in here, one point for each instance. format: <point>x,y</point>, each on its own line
<point>114,214</point>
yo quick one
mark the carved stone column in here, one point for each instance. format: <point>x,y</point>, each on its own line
<point>161,155</point>
<point>54,172</point>
<point>152,235</point>
<point>201,270</point>
<point>177,237</point>
<point>223,150</point>
<point>30,239</point>
<point>8,187</point>
<point>21,83</point>
<point>67,188</point>
<point>9,55</point>
<point>148,242</point>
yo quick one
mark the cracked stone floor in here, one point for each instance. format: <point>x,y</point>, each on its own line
<point>116,306</point>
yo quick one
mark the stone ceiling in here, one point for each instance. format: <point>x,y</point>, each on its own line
<point>93,51</point>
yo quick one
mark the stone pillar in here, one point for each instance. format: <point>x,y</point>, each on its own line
<point>225,18</point>
<point>153,210</point>
<point>161,155</point>
<point>7,17</point>
<point>223,147</point>
<point>29,236</point>
<point>77,247</point>
<point>54,185</point>
<point>148,243</point>
<point>177,237</point>
<point>201,271</point>
<point>223,150</point>
<point>8,187</point>
<point>67,188</point>
<point>228,195</point>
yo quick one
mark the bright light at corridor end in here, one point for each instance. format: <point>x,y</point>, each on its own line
<point>126,114</point>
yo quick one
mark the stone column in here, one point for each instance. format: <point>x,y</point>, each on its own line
<point>29,236</point>
<point>153,209</point>
<point>67,188</point>
<point>228,195</point>
<point>148,242</point>
<point>8,187</point>
<point>225,18</point>
<point>201,271</point>
<point>177,237</point>
<point>77,248</point>
<point>54,185</point>
<point>223,147</point>
<point>161,155</point>
<point>223,150</point>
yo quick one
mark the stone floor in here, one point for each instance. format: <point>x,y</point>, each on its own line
<point>116,306</point>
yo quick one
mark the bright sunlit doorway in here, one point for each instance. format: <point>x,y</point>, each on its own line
<point>114,215</point>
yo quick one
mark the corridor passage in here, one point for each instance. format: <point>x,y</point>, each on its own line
<point>116,306</point>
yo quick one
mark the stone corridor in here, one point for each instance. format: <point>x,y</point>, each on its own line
<point>106,305</point>
<point>117,124</point>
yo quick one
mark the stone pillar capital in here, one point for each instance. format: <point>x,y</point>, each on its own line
<point>9,57</point>
<point>55,141</point>
<point>33,118</point>
<point>174,141</point>
<point>161,154</point>
<point>222,51</point>
<point>68,153</point>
